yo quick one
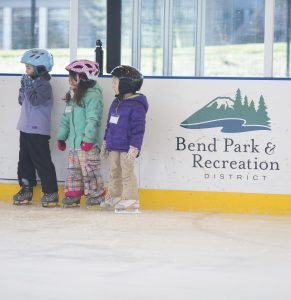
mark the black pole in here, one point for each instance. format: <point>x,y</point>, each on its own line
<point>33,19</point>
<point>113,40</point>
<point>99,55</point>
<point>288,39</point>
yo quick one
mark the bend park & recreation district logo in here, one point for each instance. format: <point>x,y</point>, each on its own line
<point>232,115</point>
<point>240,157</point>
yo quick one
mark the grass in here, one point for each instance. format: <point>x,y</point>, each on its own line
<point>226,60</point>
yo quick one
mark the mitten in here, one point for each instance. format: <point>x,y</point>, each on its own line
<point>26,81</point>
<point>104,153</point>
<point>86,146</point>
<point>132,153</point>
<point>61,145</point>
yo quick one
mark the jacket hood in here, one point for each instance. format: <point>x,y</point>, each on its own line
<point>94,87</point>
<point>141,98</point>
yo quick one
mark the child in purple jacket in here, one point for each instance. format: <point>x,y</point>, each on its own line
<point>123,138</point>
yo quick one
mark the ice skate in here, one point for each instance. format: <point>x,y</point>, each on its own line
<point>70,201</point>
<point>24,196</point>
<point>127,206</point>
<point>94,202</point>
<point>50,200</point>
<point>109,202</point>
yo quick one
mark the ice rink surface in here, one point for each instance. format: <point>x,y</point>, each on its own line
<point>73,254</point>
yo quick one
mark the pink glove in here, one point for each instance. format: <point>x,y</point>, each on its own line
<point>61,145</point>
<point>86,146</point>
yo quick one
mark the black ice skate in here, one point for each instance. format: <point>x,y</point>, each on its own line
<point>92,201</point>
<point>69,201</point>
<point>24,196</point>
<point>109,202</point>
<point>50,200</point>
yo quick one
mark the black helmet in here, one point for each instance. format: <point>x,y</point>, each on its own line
<point>130,79</point>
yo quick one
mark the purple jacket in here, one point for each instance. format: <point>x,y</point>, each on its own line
<point>126,123</point>
<point>36,106</point>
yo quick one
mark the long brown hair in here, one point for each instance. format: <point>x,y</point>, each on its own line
<point>81,88</point>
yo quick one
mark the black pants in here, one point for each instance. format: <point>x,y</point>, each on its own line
<point>34,155</point>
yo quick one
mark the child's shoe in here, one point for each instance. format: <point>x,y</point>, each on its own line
<point>24,196</point>
<point>70,201</point>
<point>92,201</point>
<point>50,199</point>
<point>109,202</point>
<point>127,206</point>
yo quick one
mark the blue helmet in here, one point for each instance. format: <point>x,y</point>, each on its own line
<point>38,57</point>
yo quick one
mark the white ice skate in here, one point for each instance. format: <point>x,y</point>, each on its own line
<point>127,207</point>
<point>109,202</point>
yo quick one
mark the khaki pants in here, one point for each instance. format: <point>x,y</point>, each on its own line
<point>122,181</point>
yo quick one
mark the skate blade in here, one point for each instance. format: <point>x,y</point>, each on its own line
<point>50,205</point>
<point>93,207</point>
<point>109,208</point>
<point>127,211</point>
<point>24,202</point>
<point>75,205</point>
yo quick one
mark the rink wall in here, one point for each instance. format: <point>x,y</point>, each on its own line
<point>204,148</point>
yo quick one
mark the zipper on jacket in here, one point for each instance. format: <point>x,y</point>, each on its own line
<point>73,125</point>
<point>117,106</point>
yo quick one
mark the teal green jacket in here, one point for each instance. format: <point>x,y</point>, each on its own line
<point>83,123</point>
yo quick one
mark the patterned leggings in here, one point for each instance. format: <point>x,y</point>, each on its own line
<point>84,175</point>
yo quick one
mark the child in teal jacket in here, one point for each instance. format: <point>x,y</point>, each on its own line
<point>80,126</point>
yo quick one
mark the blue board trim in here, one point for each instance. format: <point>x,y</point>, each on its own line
<point>178,77</point>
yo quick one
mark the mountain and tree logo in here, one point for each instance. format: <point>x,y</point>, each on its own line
<point>233,115</point>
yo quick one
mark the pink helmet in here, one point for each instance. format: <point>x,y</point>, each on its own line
<point>84,66</point>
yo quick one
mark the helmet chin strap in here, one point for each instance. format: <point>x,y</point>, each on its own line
<point>37,73</point>
<point>91,77</point>
<point>78,78</point>
<point>119,96</point>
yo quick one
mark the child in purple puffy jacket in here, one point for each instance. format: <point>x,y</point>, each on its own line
<point>123,138</point>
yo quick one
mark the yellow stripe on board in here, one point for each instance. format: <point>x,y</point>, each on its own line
<point>244,203</point>
<point>223,202</point>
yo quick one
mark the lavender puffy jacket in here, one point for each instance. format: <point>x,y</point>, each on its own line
<point>36,106</point>
<point>130,128</point>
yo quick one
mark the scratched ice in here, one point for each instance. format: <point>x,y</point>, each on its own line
<point>75,254</point>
